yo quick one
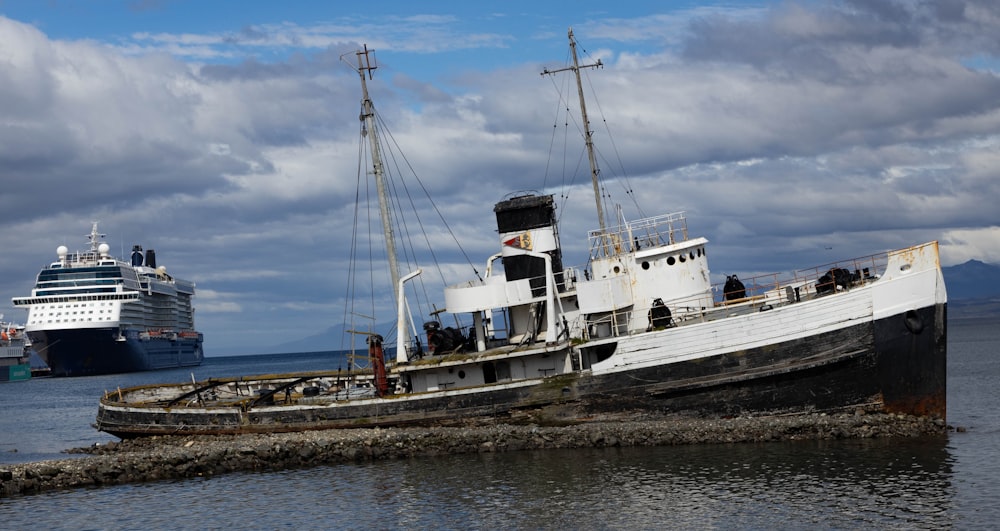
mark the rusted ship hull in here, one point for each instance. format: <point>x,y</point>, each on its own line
<point>894,365</point>
<point>875,367</point>
<point>639,331</point>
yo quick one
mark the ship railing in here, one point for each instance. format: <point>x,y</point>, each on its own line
<point>610,324</point>
<point>76,297</point>
<point>245,393</point>
<point>782,288</point>
<point>762,292</point>
<point>630,236</point>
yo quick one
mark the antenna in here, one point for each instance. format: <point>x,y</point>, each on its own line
<point>95,237</point>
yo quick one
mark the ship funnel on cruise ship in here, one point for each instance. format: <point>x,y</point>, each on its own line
<point>151,258</point>
<point>136,255</point>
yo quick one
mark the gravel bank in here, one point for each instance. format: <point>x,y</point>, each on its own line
<point>173,457</point>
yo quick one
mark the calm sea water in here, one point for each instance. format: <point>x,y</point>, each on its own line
<point>950,481</point>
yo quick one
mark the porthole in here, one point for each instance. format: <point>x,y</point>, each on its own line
<point>691,255</point>
<point>461,374</point>
<point>645,265</point>
<point>670,260</point>
<point>682,258</point>
<point>618,270</point>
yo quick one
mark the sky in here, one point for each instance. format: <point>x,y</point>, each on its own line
<point>225,134</point>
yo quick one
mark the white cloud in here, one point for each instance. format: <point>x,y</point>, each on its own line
<point>961,245</point>
<point>788,133</point>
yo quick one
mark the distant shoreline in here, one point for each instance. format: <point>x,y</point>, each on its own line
<point>971,309</point>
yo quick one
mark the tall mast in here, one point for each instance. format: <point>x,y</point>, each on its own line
<point>368,115</point>
<point>588,134</point>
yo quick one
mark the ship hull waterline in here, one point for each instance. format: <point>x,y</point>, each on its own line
<point>18,372</point>
<point>892,365</point>
<point>96,351</point>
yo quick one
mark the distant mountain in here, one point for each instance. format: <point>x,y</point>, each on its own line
<point>973,289</point>
<point>972,280</point>
<point>329,339</point>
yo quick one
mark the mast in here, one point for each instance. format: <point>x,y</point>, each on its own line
<point>371,131</point>
<point>368,116</point>
<point>94,237</point>
<point>588,134</point>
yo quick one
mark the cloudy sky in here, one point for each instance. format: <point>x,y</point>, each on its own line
<point>225,134</point>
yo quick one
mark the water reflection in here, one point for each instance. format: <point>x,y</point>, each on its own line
<point>807,484</point>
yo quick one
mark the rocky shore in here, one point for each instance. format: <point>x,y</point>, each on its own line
<point>174,457</point>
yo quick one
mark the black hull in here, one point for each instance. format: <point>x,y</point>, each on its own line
<point>895,365</point>
<point>882,366</point>
<point>88,352</point>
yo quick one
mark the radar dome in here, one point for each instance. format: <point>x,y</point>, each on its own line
<point>62,251</point>
<point>103,249</point>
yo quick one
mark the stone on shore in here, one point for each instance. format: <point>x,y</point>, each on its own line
<point>178,456</point>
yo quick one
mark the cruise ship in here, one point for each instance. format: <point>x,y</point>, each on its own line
<point>90,313</point>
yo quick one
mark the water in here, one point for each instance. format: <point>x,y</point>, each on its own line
<point>42,417</point>
<point>949,481</point>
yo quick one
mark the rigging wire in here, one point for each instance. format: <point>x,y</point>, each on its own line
<point>625,181</point>
<point>351,309</point>
<point>562,105</point>
<point>430,199</point>
<point>577,172</point>
<point>627,185</point>
<point>402,204</point>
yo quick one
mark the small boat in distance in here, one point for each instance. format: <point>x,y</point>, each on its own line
<point>639,331</point>
<point>90,313</point>
<point>14,353</point>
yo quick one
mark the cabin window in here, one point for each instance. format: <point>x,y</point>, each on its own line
<point>682,258</point>
<point>489,373</point>
<point>645,265</point>
<point>670,260</point>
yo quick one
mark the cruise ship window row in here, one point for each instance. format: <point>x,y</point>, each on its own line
<point>75,299</point>
<point>76,312</point>
<point>81,304</point>
<point>50,313</point>
<point>78,276</point>
<point>78,282</point>
<point>68,320</point>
